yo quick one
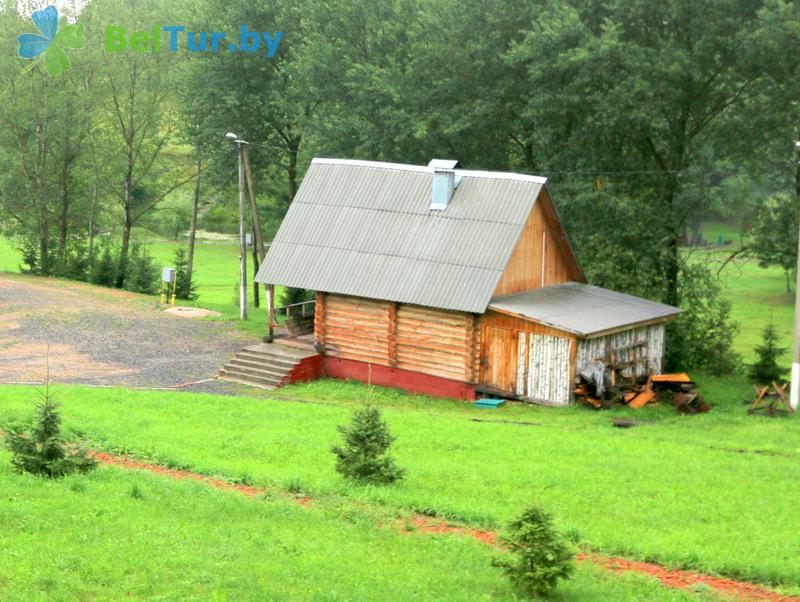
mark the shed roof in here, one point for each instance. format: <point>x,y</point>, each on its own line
<point>365,229</point>
<point>583,309</point>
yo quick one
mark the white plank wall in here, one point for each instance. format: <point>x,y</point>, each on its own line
<point>644,346</point>
<point>548,369</point>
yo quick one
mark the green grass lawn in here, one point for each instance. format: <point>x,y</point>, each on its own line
<point>715,492</point>
<point>10,257</point>
<point>758,296</point>
<point>118,534</point>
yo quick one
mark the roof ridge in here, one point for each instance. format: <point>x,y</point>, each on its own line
<point>467,173</point>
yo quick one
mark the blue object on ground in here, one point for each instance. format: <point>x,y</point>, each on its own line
<point>489,403</point>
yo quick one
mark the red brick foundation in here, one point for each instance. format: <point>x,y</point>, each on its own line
<point>413,382</point>
<point>310,368</point>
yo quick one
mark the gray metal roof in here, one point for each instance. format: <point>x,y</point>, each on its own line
<point>583,309</point>
<point>365,229</point>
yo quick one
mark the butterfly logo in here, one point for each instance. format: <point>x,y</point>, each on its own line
<point>49,44</point>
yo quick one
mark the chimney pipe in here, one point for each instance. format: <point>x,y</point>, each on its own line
<point>444,183</point>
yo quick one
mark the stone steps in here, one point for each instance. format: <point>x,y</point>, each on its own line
<point>265,365</point>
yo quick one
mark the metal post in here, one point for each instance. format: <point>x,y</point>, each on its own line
<point>242,242</point>
<point>794,392</point>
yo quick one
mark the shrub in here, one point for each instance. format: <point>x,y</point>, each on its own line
<point>539,556</point>
<point>766,368</point>
<point>104,271</point>
<point>290,296</point>
<point>363,457</point>
<point>184,285</point>
<point>702,336</point>
<point>40,449</point>
<point>141,273</point>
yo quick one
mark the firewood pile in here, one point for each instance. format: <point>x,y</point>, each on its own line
<point>676,389</point>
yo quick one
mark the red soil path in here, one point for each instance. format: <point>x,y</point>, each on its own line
<point>123,462</point>
<point>688,579</point>
<point>675,579</point>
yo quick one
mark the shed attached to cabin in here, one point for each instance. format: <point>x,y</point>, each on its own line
<point>452,282</point>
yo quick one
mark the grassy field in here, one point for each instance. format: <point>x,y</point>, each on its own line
<point>122,535</point>
<point>685,491</point>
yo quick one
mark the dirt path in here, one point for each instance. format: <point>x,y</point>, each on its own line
<point>675,579</point>
<point>103,336</point>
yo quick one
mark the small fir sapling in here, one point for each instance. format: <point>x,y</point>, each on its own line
<point>538,556</point>
<point>39,449</point>
<point>363,457</point>
<point>766,369</point>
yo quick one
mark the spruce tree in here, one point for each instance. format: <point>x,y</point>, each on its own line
<point>104,270</point>
<point>141,274</point>
<point>766,368</point>
<point>363,457</point>
<point>184,285</point>
<point>40,449</point>
<point>539,555</point>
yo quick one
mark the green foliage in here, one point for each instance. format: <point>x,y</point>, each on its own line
<point>40,450</point>
<point>766,369</point>
<point>291,296</point>
<point>773,236</point>
<point>185,287</point>
<point>104,269</point>
<point>702,336</point>
<point>141,272</point>
<point>363,457</point>
<point>539,556</point>
<point>30,256</point>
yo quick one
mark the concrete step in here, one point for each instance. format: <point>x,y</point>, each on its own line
<point>248,378</point>
<point>261,359</point>
<point>258,370</point>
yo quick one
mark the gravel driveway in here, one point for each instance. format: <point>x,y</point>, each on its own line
<point>104,336</point>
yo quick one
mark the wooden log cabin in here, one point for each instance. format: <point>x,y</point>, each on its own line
<point>451,282</point>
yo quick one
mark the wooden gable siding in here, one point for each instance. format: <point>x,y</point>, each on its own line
<point>410,337</point>
<point>542,256</point>
<point>503,351</point>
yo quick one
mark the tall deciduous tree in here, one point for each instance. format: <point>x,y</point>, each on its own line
<point>141,115</point>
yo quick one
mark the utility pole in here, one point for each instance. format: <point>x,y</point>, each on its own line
<point>242,241</point>
<point>193,228</point>
<point>259,252</point>
<point>794,392</point>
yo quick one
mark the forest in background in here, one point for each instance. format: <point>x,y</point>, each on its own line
<point>647,117</point>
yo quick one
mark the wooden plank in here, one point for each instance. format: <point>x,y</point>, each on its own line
<point>641,399</point>
<point>671,378</point>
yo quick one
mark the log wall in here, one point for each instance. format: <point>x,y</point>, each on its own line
<point>409,337</point>
<point>354,328</point>
<point>435,342</point>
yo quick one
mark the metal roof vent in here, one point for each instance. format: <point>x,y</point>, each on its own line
<point>444,182</point>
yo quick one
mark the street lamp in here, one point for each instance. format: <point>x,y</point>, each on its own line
<point>239,142</point>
